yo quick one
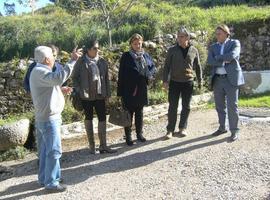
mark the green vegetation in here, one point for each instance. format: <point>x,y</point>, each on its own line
<point>70,115</point>
<point>261,100</point>
<point>15,117</point>
<point>20,34</point>
<point>13,154</point>
<point>256,101</point>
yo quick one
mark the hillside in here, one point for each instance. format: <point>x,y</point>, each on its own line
<point>20,34</point>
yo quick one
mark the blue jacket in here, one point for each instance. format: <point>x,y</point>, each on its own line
<point>231,57</point>
<point>26,82</point>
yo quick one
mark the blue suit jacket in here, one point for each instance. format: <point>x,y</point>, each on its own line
<point>231,55</point>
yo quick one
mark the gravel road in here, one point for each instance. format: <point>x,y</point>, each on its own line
<point>198,166</point>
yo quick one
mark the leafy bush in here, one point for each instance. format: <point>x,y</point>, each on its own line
<point>70,115</point>
<point>19,35</point>
<point>15,117</point>
<point>13,154</point>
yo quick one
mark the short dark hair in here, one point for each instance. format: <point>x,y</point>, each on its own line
<point>90,44</point>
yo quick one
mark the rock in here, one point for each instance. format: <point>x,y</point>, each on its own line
<point>2,80</point>
<point>193,36</point>
<point>146,44</point>
<point>3,109</point>
<point>18,74</point>
<point>14,83</point>
<point>158,40</point>
<point>22,65</point>
<point>169,36</point>
<point>258,45</point>
<point>152,45</point>
<point>14,134</point>
<point>7,74</point>
<point>2,87</point>
<point>263,30</point>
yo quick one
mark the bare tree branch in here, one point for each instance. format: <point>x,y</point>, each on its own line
<point>120,19</point>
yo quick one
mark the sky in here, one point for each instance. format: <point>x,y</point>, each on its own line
<point>19,8</point>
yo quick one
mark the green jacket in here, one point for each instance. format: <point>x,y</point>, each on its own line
<point>180,69</point>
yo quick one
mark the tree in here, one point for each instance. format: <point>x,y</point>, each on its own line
<point>29,3</point>
<point>9,8</point>
<point>113,11</point>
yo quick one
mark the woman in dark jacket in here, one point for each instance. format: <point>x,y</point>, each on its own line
<point>136,69</point>
<point>90,79</point>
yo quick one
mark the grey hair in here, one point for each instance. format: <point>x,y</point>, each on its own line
<point>42,52</point>
<point>183,30</point>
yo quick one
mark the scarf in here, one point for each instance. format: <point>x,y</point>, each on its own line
<point>92,62</point>
<point>140,62</point>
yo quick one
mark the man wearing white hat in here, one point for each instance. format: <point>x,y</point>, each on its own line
<point>226,77</point>
<point>49,102</point>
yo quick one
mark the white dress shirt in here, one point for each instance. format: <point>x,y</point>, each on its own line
<point>221,70</point>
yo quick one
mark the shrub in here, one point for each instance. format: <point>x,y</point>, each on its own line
<point>70,115</point>
<point>13,154</point>
<point>20,34</point>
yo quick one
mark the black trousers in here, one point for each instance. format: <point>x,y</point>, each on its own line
<point>185,89</point>
<point>99,106</point>
<point>138,111</point>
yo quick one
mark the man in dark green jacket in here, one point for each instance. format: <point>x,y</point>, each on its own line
<point>178,76</point>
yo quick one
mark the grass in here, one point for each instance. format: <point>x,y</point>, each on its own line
<point>260,100</point>
<point>16,117</point>
<point>15,153</point>
<point>149,19</point>
<point>255,101</point>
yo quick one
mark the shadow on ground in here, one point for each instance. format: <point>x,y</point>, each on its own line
<point>81,173</point>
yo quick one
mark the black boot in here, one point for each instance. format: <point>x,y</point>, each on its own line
<point>140,137</point>
<point>128,136</point>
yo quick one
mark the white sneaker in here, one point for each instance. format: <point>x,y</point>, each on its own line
<point>169,135</point>
<point>182,132</point>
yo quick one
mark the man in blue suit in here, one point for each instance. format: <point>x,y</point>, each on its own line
<point>226,77</point>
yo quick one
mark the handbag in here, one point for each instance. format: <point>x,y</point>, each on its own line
<point>120,117</point>
<point>76,101</point>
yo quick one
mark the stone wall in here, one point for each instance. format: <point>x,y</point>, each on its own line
<point>255,55</point>
<point>255,41</point>
<point>13,98</point>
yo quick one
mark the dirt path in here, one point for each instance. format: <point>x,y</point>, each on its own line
<point>196,167</point>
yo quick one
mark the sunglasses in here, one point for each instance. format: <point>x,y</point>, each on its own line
<point>95,48</point>
<point>182,36</point>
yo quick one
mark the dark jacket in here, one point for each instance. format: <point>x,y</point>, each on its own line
<point>180,69</point>
<point>83,80</point>
<point>26,80</point>
<point>231,57</point>
<point>132,86</point>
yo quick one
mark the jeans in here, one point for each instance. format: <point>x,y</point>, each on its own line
<point>185,89</point>
<point>50,151</point>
